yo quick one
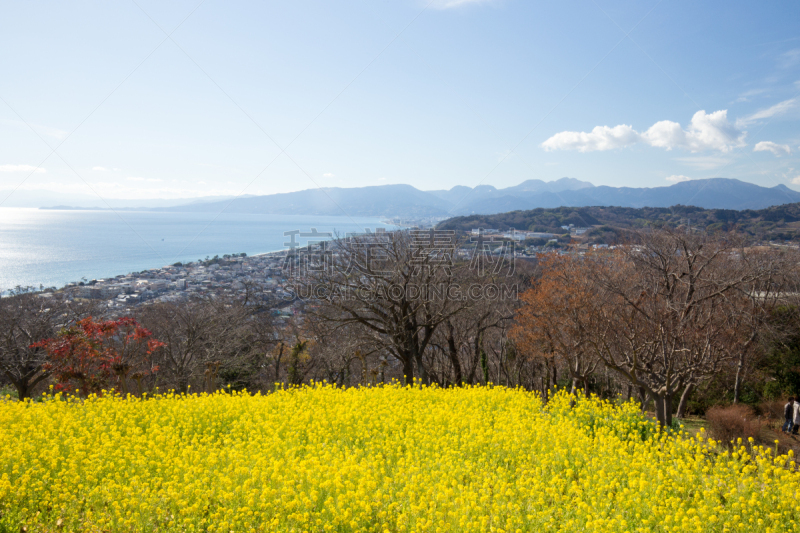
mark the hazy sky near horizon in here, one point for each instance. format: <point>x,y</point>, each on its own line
<point>187,98</point>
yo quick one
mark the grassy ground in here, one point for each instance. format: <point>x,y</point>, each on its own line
<point>693,424</point>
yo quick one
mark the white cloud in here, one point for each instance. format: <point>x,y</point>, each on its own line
<point>101,169</point>
<point>22,168</point>
<point>778,109</point>
<point>152,180</point>
<point>704,162</point>
<point>792,176</point>
<point>789,59</point>
<point>776,149</point>
<point>47,131</point>
<point>502,156</point>
<point>448,4</point>
<point>678,179</point>
<point>600,138</point>
<point>713,131</point>
<point>50,131</point>
<point>745,96</point>
<point>665,134</point>
<point>706,131</point>
<point>329,175</point>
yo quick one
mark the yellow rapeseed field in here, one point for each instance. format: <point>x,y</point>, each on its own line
<point>384,459</point>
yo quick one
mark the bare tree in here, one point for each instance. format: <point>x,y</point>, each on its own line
<point>665,313</point>
<point>466,340</point>
<point>27,317</point>
<point>397,289</point>
<point>341,354</point>
<point>777,286</point>
<point>201,337</point>
<point>673,309</point>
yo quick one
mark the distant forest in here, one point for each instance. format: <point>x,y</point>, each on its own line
<point>780,222</point>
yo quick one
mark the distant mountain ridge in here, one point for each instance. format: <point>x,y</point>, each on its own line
<point>408,201</point>
<point>34,198</point>
<point>459,193</point>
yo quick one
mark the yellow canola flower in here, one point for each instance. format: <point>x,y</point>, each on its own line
<point>389,458</point>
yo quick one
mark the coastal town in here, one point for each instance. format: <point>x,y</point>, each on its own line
<point>262,278</point>
<point>259,276</point>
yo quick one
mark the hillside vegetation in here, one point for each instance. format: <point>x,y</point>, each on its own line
<point>774,223</point>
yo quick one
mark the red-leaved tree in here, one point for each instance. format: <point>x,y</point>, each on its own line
<point>91,356</point>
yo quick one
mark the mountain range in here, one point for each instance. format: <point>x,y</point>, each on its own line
<point>407,201</point>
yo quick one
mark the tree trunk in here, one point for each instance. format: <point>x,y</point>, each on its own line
<point>423,373</point>
<point>278,363</point>
<point>485,366</point>
<point>668,409</point>
<point>183,383</point>
<point>453,353</point>
<point>687,392</point>
<point>644,396</point>
<point>660,415</point>
<point>544,390</point>
<point>408,370</point>
<point>26,383</point>
<point>23,390</point>
<point>544,381</point>
<point>123,385</point>
<point>737,386</point>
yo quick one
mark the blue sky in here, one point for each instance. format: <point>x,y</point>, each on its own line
<point>175,99</point>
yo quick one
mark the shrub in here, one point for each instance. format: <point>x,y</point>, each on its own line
<point>727,423</point>
<point>772,412</point>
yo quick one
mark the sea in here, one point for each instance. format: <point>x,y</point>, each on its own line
<point>50,248</point>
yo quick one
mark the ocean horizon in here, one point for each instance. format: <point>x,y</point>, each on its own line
<point>50,248</point>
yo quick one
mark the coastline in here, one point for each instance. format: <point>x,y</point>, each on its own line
<point>53,248</point>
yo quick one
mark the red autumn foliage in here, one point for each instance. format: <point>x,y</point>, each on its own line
<point>91,356</point>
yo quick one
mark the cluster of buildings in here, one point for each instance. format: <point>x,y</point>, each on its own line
<point>262,275</point>
<point>518,235</point>
<point>419,222</point>
<point>577,242</point>
<point>514,235</point>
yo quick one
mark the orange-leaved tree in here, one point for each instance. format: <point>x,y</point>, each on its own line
<point>91,356</point>
<point>557,317</point>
